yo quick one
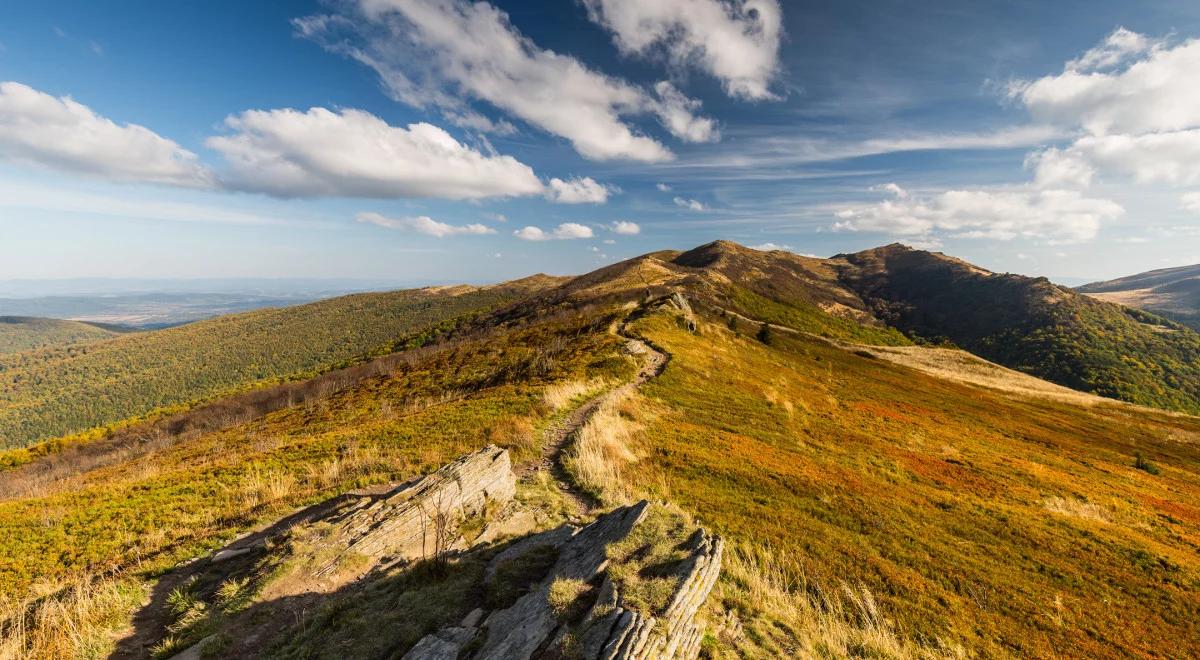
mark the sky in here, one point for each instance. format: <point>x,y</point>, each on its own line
<point>445,140</point>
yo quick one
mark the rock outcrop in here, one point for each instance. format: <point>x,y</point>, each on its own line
<point>608,630</point>
<point>420,519</point>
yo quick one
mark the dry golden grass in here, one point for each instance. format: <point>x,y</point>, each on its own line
<point>561,395</point>
<point>787,616</point>
<point>601,450</point>
<point>1078,508</point>
<point>77,620</point>
<point>962,367</point>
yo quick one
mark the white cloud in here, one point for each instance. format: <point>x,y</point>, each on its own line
<point>436,53</point>
<point>352,153</point>
<point>625,228</point>
<point>769,247</point>
<point>690,204</point>
<point>60,133</point>
<point>1156,92</point>
<point>424,225</point>
<point>1055,168</point>
<point>678,113</point>
<point>565,231</point>
<point>1116,49</point>
<point>737,41</point>
<point>662,187</point>
<point>577,191</point>
<point>1136,101</point>
<point>496,217</point>
<point>892,189</point>
<point>1058,216</point>
<point>1191,201</point>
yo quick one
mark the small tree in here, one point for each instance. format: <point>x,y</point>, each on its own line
<point>732,323</point>
<point>1144,465</point>
<point>765,335</point>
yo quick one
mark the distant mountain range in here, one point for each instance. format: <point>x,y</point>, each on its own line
<point>160,303</point>
<point>1170,292</point>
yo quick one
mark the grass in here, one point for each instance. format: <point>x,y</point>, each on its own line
<point>597,458</point>
<point>189,497</point>
<point>62,390</point>
<point>76,619</point>
<point>930,495</point>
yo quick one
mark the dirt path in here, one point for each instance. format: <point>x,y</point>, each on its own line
<point>560,435</point>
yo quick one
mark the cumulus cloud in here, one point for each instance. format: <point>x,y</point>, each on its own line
<point>736,41</point>
<point>1136,101</point>
<point>1191,201</point>
<point>424,224</point>
<point>625,228</point>
<point>352,153</point>
<point>63,134</point>
<point>690,204</point>
<point>770,247</point>
<point>438,53</point>
<point>662,187</point>
<point>1059,216</point>
<point>565,231</point>
<point>577,191</point>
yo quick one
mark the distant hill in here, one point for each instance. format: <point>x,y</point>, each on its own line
<point>1031,325</point>
<point>57,391</point>
<point>1170,292</point>
<point>24,333</point>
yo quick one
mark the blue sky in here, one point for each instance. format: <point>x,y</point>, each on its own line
<point>440,140</point>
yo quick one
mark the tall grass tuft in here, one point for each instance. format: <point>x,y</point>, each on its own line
<point>76,621</point>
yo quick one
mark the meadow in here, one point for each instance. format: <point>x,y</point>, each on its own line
<point>971,518</point>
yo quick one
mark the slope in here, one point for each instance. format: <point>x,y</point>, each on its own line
<point>871,509</point>
<point>56,391</point>
<point>1170,292</point>
<point>26,333</point>
<point>1031,325</point>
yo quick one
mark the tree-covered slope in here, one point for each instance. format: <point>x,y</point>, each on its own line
<point>1031,325</point>
<point>26,333</point>
<point>51,392</point>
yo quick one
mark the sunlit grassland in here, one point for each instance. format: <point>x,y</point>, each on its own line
<point>62,390</point>
<point>1006,525</point>
<point>142,516</point>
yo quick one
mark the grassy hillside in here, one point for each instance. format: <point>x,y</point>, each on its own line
<point>1170,292</point>
<point>26,333</point>
<point>975,520</point>
<point>871,509</point>
<point>56,391</point>
<point>1031,325</point>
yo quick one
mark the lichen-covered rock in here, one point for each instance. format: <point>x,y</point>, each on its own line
<point>419,519</point>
